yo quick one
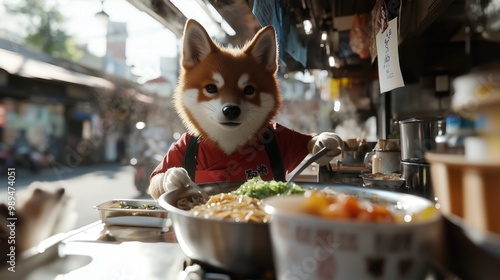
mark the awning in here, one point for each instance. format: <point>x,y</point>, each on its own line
<point>16,64</point>
<point>139,96</point>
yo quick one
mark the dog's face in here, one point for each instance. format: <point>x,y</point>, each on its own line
<point>227,95</point>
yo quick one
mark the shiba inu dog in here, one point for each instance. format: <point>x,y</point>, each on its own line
<point>45,210</point>
<point>227,99</point>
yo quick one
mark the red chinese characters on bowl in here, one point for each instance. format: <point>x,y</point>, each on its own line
<point>311,247</point>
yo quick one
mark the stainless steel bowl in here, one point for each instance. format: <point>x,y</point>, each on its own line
<point>242,249</point>
<point>383,184</point>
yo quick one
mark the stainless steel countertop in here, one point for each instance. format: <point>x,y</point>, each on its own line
<point>101,252</point>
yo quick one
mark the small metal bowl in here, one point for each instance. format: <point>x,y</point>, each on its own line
<point>381,181</point>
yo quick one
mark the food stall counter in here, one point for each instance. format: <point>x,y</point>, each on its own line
<point>98,251</point>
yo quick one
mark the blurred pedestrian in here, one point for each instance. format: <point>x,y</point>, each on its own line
<point>23,150</point>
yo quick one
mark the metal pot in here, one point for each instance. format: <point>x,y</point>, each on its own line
<point>244,249</point>
<point>418,179</point>
<point>351,157</point>
<point>386,162</point>
<point>368,160</point>
<point>418,136</point>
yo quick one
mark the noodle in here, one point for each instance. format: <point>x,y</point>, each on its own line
<point>187,203</point>
<point>242,204</point>
<point>232,207</point>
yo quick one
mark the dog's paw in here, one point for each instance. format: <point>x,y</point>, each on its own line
<point>331,141</point>
<point>175,178</point>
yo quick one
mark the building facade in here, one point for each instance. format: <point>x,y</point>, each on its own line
<point>69,114</point>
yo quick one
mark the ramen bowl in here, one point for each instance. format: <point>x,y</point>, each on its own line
<point>311,247</point>
<point>237,248</point>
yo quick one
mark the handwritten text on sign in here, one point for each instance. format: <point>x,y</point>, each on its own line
<point>388,59</point>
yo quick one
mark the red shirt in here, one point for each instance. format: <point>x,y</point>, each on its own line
<point>245,163</point>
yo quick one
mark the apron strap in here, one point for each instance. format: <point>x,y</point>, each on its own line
<point>274,155</point>
<point>272,150</point>
<point>189,161</point>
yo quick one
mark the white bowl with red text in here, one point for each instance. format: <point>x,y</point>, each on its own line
<point>315,248</point>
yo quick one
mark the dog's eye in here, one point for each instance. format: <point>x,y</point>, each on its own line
<point>248,90</point>
<point>211,88</point>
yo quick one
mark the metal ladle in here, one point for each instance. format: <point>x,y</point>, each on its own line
<point>308,162</point>
<point>198,189</point>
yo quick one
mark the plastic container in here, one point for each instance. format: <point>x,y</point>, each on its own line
<point>477,97</point>
<point>467,189</point>
<point>457,129</point>
<point>111,213</point>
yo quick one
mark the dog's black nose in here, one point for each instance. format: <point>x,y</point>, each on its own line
<point>231,111</point>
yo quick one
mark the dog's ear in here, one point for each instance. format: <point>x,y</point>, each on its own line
<point>197,44</point>
<point>264,49</point>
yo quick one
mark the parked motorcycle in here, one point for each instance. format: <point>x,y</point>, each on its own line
<point>144,163</point>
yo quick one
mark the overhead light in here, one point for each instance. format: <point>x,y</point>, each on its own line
<point>227,28</point>
<point>140,125</point>
<point>304,77</point>
<point>324,35</point>
<point>331,56</point>
<point>336,106</point>
<point>215,14</point>
<point>102,17</point>
<point>325,27</point>
<point>306,19</point>
<point>218,18</point>
<point>308,27</point>
<point>331,61</point>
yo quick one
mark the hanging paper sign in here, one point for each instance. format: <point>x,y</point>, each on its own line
<point>388,58</point>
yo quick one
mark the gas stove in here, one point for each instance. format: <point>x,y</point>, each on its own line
<point>193,270</point>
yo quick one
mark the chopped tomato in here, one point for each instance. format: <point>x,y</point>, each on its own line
<point>315,203</point>
<point>345,207</point>
<point>335,211</point>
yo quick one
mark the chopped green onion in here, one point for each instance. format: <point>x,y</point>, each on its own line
<point>260,189</point>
